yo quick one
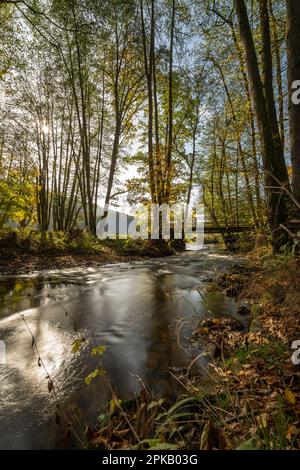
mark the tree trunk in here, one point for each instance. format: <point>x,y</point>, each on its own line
<point>277,54</point>
<point>168,170</point>
<point>293,53</point>
<point>275,170</point>
<point>267,76</point>
<point>252,124</point>
<point>149,75</point>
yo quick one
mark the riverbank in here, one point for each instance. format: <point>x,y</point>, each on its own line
<point>22,253</point>
<point>250,398</point>
<point>255,401</point>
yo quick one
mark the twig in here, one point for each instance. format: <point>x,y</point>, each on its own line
<point>121,410</point>
<point>291,234</point>
<point>41,363</point>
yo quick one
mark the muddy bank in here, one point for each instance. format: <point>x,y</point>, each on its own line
<point>18,258</point>
<point>22,263</point>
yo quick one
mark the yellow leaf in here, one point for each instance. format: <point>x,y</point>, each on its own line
<point>18,288</point>
<point>262,420</point>
<point>204,330</point>
<point>113,403</point>
<point>91,376</point>
<point>98,350</point>
<point>292,431</point>
<point>76,345</point>
<point>289,396</point>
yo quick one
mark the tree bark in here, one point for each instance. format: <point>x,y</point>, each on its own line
<point>293,54</point>
<point>148,63</point>
<point>168,170</point>
<point>267,79</point>
<point>276,177</point>
<point>277,55</point>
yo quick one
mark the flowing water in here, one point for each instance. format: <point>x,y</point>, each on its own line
<point>134,309</point>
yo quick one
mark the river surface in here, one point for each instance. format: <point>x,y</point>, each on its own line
<point>135,309</point>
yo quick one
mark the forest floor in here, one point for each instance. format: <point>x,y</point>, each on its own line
<point>23,253</point>
<point>249,397</point>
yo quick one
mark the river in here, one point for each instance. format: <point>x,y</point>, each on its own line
<point>135,309</point>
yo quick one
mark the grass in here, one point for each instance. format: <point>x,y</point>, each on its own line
<point>79,241</point>
<point>270,353</point>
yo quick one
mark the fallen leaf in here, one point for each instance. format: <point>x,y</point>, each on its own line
<point>289,396</point>
<point>291,432</point>
<point>204,330</point>
<point>262,420</point>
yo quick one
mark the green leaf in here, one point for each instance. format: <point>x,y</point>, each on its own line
<point>248,445</point>
<point>102,419</point>
<point>155,444</point>
<point>163,446</point>
<point>177,405</point>
<point>175,416</point>
<point>155,403</point>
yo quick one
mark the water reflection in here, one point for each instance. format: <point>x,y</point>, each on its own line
<point>133,309</point>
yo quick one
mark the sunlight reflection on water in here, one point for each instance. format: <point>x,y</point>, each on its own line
<point>133,309</point>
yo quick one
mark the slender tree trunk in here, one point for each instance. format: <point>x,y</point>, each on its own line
<point>192,163</point>
<point>158,156</point>
<point>277,55</point>
<point>239,142</point>
<point>168,170</point>
<point>267,79</point>
<point>293,53</point>
<point>148,63</point>
<point>259,204</point>
<point>114,156</point>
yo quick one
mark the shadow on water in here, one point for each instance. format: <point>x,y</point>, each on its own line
<point>132,308</point>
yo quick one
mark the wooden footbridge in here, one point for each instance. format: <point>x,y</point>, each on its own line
<point>225,230</point>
